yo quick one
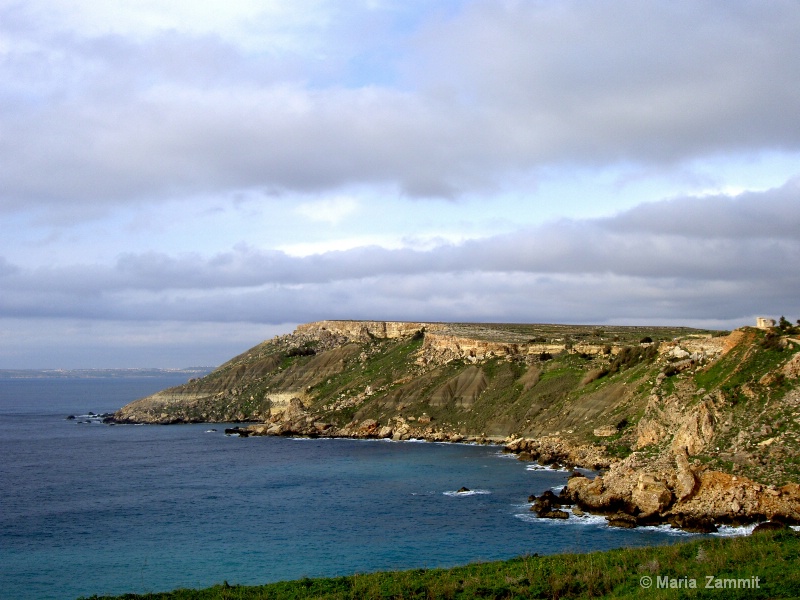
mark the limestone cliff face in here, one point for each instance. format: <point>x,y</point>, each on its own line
<point>364,330</point>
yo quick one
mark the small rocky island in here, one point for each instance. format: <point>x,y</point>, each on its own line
<point>689,427</point>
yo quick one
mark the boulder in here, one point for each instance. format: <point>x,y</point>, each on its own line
<point>769,526</point>
<point>237,431</point>
<point>605,431</point>
<point>553,514</point>
<point>294,410</point>
<point>685,480</point>
<point>621,519</point>
<point>693,524</point>
<point>651,495</point>
<point>547,506</point>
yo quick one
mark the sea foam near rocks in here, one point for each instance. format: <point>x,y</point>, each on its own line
<point>467,493</point>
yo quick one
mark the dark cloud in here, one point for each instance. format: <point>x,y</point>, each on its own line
<point>772,215</point>
<point>484,92</point>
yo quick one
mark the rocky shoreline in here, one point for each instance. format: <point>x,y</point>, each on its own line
<point>635,491</point>
<point>679,425</point>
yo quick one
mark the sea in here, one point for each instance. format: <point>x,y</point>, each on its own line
<point>89,508</point>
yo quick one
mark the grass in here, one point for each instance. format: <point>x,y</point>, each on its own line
<point>773,557</point>
<point>743,365</point>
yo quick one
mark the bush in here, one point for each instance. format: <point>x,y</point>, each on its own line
<point>301,351</point>
<point>630,356</point>
<point>772,340</point>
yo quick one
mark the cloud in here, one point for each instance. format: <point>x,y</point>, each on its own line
<point>684,258</point>
<point>771,214</point>
<point>140,112</point>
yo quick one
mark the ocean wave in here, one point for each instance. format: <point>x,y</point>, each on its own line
<point>501,454</point>
<point>731,531</point>
<point>467,493</point>
<point>600,521</point>
<point>538,467</point>
<point>586,519</point>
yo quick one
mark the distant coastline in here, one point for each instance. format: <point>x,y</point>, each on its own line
<point>100,373</point>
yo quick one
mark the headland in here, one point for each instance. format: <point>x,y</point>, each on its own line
<point>690,427</point>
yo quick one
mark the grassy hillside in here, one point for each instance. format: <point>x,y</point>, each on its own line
<point>732,400</point>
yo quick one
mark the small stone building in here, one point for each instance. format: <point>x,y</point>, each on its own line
<point>765,323</point>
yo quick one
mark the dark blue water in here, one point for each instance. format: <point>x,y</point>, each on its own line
<point>96,509</point>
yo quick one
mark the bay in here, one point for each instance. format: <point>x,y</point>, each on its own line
<point>96,509</point>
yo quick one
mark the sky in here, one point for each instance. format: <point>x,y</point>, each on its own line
<point>182,180</point>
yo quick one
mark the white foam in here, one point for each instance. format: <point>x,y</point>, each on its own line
<point>502,454</point>
<point>467,493</point>
<point>538,467</point>
<point>600,521</point>
<point>731,531</point>
<point>573,519</point>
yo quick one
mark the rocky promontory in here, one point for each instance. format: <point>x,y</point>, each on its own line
<point>688,427</point>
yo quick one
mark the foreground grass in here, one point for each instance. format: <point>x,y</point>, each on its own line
<point>773,557</point>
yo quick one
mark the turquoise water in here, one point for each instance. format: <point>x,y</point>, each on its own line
<point>97,509</point>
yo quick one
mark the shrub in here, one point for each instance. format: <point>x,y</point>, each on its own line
<point>772,340</point>
<point>300,351</point>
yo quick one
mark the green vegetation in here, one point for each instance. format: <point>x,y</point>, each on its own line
<point>772,557</point>
<point>743,367</point>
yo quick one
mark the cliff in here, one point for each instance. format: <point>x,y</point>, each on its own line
<point>688,425</point>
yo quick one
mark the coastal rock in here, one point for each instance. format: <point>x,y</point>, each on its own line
<point>547,506</point>
<point>553,514</point>
<point>294,410</point>
<point>651,495</point>
<point>692,524</point>
<point>591,495</point>
<point>241,432</point>
<point>685,480</point>
<point>621,519</point>
<point>769,526</point>
<point>368,428</point>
